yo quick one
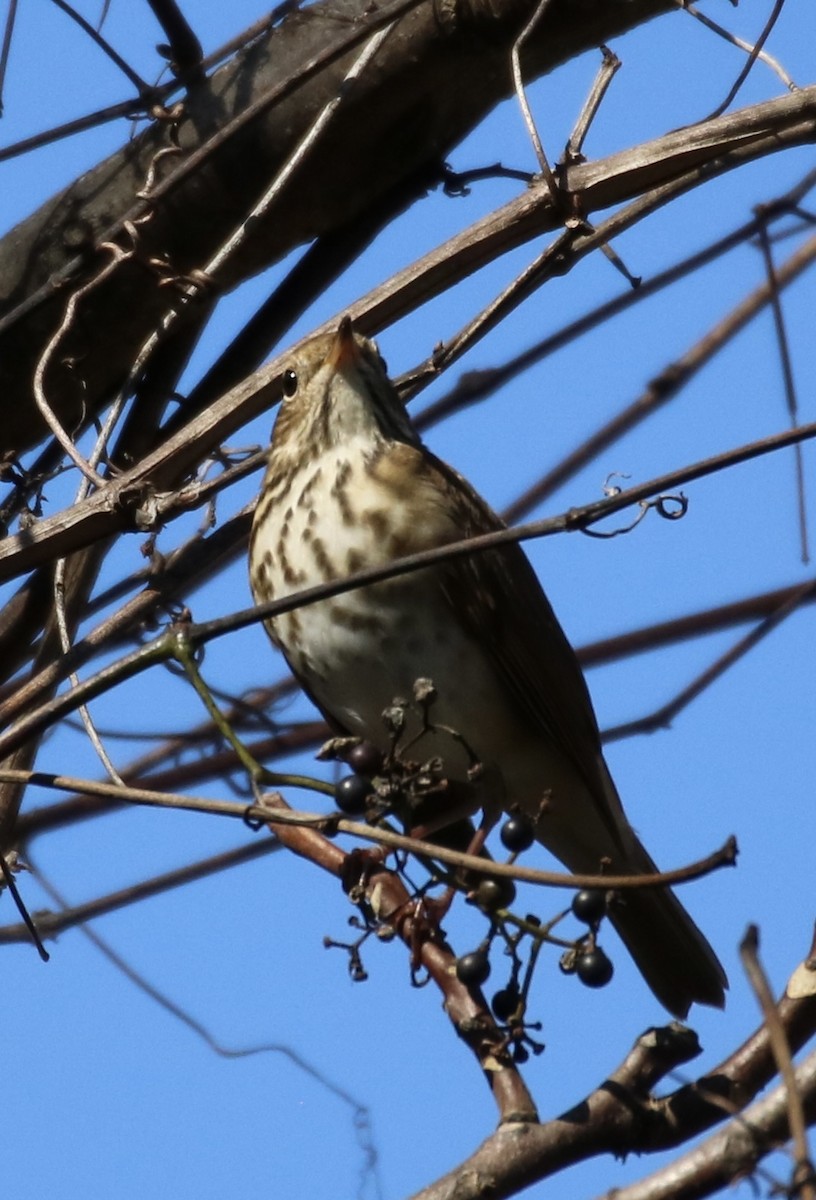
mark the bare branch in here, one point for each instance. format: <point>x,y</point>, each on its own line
<point>663,716</point>
<point>283,815</point>
<point>623,1117</point>
<point>49,924</point>
<point>804,1176</point>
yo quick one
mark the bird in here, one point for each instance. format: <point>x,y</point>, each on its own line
<point>349,485</point>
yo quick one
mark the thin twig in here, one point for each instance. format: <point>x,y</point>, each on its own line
<point>304,147</point>
<point>349,38</point>
<point>207,276</point>
<point>773,63</point>
<point>185,48</point>
<point>50,924</point>
<point>754,52</point>
<point>285,816</point>
<point>521,96</point>
<point>663,716</point>
<point>786,363</point>
<point>665,386</point>
<point>144,89</point>
<point>186,655</point>
<point>65,642</point>
<point>804,1176</point>
<point>99,449</point>
<point>476,385</point>
<point>135,106</point>
<point>125,108</point>
<point>117,255</point>
<point>696,624</point>
<point>8,33</point>
<point>213,767</point>
<point>29,928</point>
<point>362,1116</point>
<point>558,258</point>
<point>608,69</point>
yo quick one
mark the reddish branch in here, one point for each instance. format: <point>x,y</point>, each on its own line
<point>364,875</point>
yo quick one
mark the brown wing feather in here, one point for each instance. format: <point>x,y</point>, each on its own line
<point>498,591</point>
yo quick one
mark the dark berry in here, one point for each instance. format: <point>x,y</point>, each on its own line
<point>474,968</point>
<point>505,1003</point>
<point>365,759</point>
<point>520,1054</point>
<point>589,905</point>
<point>517,833</point>
<point>495,893</point>
<point>351,793</point>
<point>594,968</point>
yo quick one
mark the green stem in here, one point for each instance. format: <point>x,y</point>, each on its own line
<point>185,655</point>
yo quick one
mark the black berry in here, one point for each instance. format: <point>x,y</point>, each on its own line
<point>365,759</point>
<point>594,969</point>
<point>495,893</point>
<point>589,905</point>
<point>505,1003</point>
<point>517,833</point>
<point>474,968</point>
<point>351,793</point>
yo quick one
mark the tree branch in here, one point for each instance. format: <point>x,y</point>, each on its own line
<point>444,69</point>
<point>622,1117</point>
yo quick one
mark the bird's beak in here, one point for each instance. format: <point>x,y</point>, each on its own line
<point>344,349</point>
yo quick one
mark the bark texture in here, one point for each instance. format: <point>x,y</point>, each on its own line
<point>442,68</point>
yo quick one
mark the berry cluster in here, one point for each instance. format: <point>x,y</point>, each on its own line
<point>494,895</point>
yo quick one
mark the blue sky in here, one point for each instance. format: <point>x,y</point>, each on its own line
<point>107,1093</point>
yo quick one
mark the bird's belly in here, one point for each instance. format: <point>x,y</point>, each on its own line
<point>411,635</point>
<point>520,768</point>
<point>363,655</point>
<point>360,651</point>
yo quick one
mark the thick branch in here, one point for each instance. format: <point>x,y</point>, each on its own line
<point>622,1117</point>
<point>441,70</point>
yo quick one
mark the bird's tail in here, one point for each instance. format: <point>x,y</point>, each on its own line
<point>671,953</point>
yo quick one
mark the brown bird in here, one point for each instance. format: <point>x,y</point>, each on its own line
<point>350,485</point>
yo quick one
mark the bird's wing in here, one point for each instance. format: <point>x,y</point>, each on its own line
<point>498,597</point>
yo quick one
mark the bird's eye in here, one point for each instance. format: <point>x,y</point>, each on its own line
<point>290,382</point>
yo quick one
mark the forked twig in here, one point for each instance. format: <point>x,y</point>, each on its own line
<point>804,1176</point>
<point>609,67</point>
<point>521,96</point>
<point>117,255</point>
<point>754,51</point>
